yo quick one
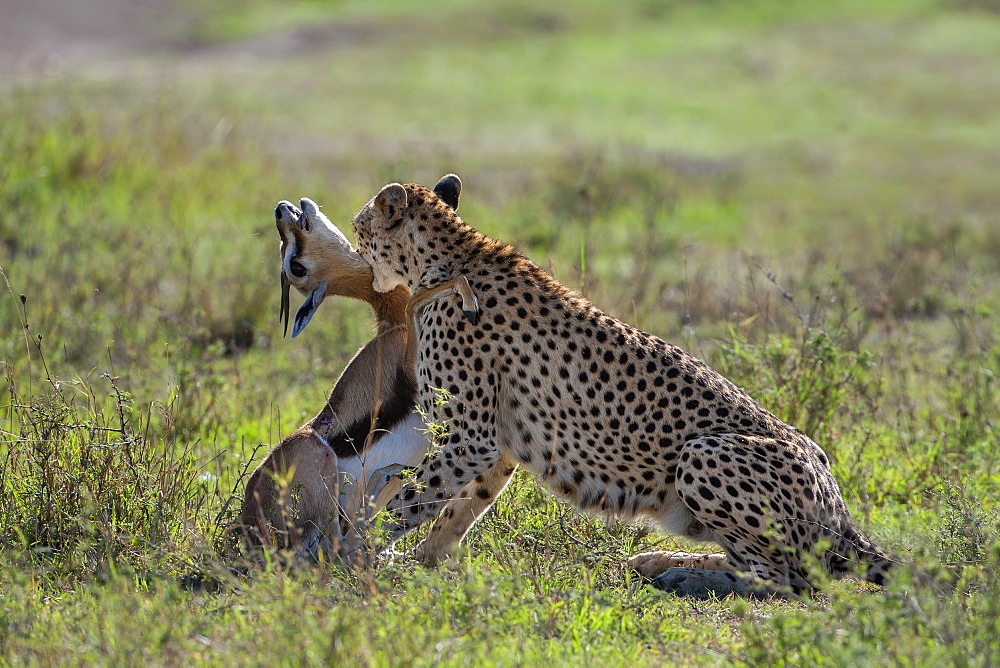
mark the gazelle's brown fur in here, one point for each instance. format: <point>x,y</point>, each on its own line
<point>367,431</point>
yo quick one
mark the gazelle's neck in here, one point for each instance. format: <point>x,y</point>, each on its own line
<point>389,307</point>
<point>347,275</point>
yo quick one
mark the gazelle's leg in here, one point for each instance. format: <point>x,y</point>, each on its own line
<point>292,492</point>
<point>470,303</point>
<point>417,303</point>
<point>363,502</point>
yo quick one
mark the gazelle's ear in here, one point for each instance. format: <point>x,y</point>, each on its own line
<point>449,188</point>
<point>390,204</point>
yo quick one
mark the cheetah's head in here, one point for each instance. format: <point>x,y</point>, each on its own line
<point>394,230</point>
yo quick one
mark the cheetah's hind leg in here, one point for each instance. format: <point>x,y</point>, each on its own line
<point>695,575</point>
<point>651,564</point>
<point>703,583</point>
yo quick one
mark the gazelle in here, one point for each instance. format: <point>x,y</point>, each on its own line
<point>342,465</point>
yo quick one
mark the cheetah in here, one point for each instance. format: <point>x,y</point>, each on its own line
<point>615,420</point>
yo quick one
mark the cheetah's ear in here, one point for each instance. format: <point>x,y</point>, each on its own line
<point>449,188</point>
<point>390,204</point>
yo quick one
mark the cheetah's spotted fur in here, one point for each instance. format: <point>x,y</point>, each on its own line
<point>612,418</point>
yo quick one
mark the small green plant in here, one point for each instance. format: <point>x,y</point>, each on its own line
<point>805,378</point>
<point>86,483</point>
<point>970,526</point>
<point>436,430</point>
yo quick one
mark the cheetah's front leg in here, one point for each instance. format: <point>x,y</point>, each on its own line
<point>461,512</point>
<point>462,479</point>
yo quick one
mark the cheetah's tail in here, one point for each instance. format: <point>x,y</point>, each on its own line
<point>878,562</point>
<point>878,569</point>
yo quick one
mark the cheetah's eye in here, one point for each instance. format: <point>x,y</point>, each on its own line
<point>297,269</point>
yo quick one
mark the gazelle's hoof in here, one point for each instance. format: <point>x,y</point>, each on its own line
<point>470,302</point>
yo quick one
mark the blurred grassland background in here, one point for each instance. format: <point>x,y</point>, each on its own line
<point>804,194</point>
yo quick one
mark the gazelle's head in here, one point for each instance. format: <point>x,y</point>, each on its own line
<point>317,259</point>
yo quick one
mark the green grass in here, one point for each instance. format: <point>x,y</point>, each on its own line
<point>801,193</point>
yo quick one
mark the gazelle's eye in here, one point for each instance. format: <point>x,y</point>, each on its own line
<point>298,271</point>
